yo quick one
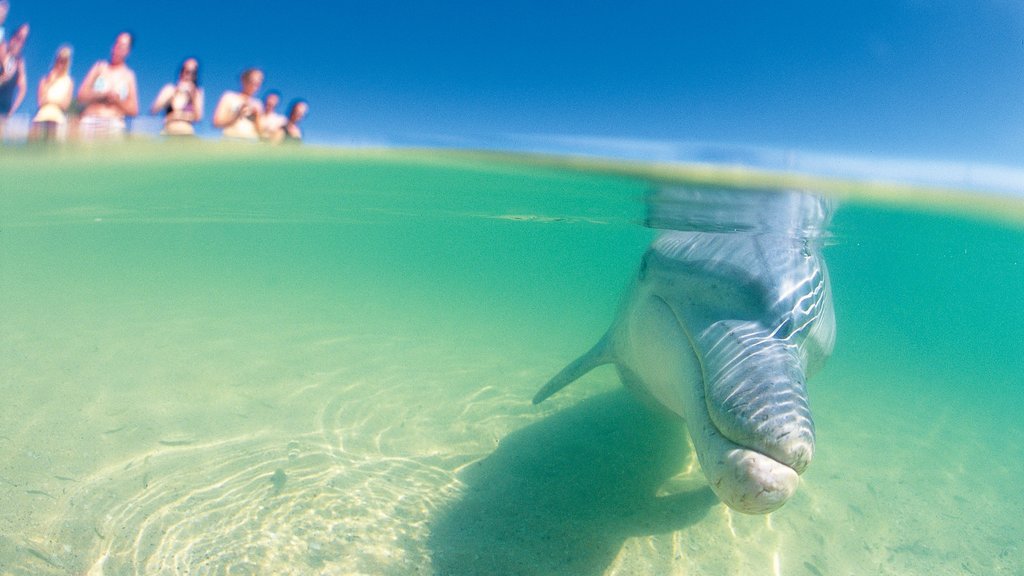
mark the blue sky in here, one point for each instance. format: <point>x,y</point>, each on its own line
<point>936,79</point>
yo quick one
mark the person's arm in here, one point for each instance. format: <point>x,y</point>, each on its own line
<point>86,94</point>
<point>22,88</point>
<point>257,119</point>
<point>223,115</point>
<point>162,99</point>
<point>197,104</point>
<point>229,110</point>
<point>44,86</point>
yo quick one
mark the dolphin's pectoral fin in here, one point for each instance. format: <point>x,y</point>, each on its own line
<point>599,355</point>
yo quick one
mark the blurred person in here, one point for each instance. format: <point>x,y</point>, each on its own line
<point>54,97</point>
<point>181,102</point>
<point>296,112</point>
<point>5,7</point>
<point>272,123</point>
<point>13,84</point>
<point>109,93</point>
<point>238,114</point>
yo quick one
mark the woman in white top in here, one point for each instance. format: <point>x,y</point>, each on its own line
<point>272,123</point>
<point>54,97</point>
<point>238,114</point>
<point>182,102</point>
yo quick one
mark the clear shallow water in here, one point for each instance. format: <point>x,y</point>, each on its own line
<point>233,361</point>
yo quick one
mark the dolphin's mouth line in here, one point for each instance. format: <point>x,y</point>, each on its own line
<point>798,466</point>
<point>740,445</point>
<point>703,406</point>
<point>769,457</point>
<point>744,477</point>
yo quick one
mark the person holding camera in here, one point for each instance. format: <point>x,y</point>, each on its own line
<point>54,95</point>
<point>238,114</point>
<point>109,94</point>
<point>181,102</point>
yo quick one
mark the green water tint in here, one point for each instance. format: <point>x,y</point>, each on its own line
<point>238,361</point>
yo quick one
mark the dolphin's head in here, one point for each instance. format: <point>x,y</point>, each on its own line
<point>744,277</point>
<point>747,409</point>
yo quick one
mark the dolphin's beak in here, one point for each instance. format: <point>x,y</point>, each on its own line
<point>755,423</point>
<point>746,480</point>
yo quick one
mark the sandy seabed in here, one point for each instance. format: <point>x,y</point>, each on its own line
<point>196,445</point>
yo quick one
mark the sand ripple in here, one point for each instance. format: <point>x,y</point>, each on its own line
<point>255,506</point>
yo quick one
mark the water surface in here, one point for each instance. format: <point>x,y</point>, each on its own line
<point>246,361</point>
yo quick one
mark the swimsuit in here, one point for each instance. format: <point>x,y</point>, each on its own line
<point>101,127</point>
<point>8,83</point>
<point>180,114</point>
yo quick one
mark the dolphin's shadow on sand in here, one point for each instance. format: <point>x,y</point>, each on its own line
<point>562,495</point>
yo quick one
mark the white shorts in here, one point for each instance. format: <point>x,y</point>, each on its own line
<point>101,128</point>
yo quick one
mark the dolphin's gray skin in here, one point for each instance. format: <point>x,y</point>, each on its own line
<point>730,313</point>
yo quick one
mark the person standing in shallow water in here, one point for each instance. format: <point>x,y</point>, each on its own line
<point>296,112</point>
<point>181,102</point>
<point>54,96</point>
<point>272,123</point>
<point>238,114</point>
<point>109,94</point>
<point>5,7</point>
<point>13,84</point>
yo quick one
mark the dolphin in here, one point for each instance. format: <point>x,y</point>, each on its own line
<point>730,313</point>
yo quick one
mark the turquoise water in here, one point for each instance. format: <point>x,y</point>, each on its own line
<point>239,361</point>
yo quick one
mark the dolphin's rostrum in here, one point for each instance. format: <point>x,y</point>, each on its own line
<point>730,313</point>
